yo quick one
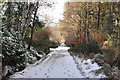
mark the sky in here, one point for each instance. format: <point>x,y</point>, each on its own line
<point>55,13</point>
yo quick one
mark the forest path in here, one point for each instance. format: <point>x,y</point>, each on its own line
<point>58,64</point>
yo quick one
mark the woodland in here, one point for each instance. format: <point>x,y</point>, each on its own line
<point>90,29</point>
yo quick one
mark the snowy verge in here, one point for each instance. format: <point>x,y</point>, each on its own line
<point>88,69</point>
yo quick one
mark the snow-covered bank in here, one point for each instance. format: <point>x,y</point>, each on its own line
<point>60,64</point>
<point>88,69</point>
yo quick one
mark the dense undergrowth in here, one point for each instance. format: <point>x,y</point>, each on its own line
<point>43,45</point>
<point>108,58</point>
<point>15,55</point>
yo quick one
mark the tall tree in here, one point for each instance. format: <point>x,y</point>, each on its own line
<point>37,6</point>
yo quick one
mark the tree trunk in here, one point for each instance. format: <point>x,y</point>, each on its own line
<point>28,21</point>
<point>24,14</point>
<point>99,15</point>
<point>32,27</point>
<point>87,25</point>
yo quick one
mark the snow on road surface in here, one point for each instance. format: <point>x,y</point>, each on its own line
<point>58,64</point>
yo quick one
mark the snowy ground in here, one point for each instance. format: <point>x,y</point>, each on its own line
<point>88,69</point>
<point>59,64</point>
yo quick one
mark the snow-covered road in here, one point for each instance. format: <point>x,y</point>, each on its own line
<point>58,64</point>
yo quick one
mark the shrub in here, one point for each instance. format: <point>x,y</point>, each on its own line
<point>86,48</point>
<point>112,57</point>
<point>41,34</point>
<point>110,63</point>
<point>13,50</point>
<point>43,45</point>
<point>41,41</point>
